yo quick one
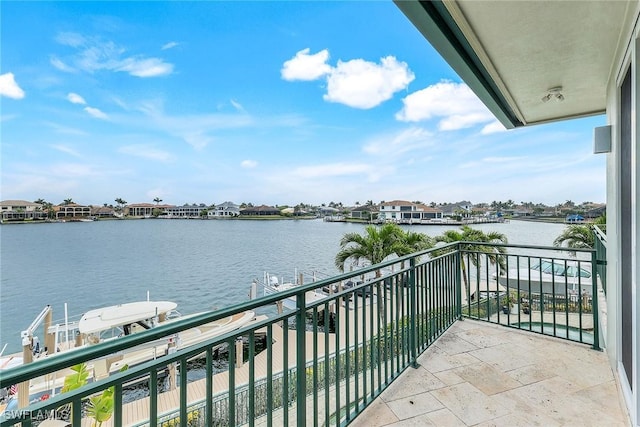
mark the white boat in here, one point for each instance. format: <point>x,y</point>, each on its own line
<point>109,323</point>
<point>548,276</point>
<point>272,285</point>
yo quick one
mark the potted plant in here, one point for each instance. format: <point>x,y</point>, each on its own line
<point>509,304</point>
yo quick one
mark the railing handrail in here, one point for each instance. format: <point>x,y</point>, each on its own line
<point>600,234</point>
<point>71,358</point>
<point>424,299</point>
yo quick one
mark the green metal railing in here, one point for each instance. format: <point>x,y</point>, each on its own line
<point>323,362</point>
<point>536,288</point>
<point>600,246</point>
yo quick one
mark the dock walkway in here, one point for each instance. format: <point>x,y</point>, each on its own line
<point>138,411</point>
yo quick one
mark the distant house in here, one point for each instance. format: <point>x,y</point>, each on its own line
<point>185,211</point>
<point>574,218</point>
<point>103,212</point>
<point>145,209</point>
<point>16,210</point>
<point>365,212</point>
<point>596,211</point>
<point>260,210</point>
<point>402,210</point>
<point>224,210</point>
<point>71,211</point>
<point>327,211</point>
<point>463,208</point>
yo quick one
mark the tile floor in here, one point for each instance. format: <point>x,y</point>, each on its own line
<point>480,374</point>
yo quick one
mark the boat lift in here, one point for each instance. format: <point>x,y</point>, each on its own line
<point>31,346</point>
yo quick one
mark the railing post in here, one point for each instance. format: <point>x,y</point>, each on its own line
<point>301,359</point>
<point>413,313</point>
<point>458,284</point>
<point>594,301</point>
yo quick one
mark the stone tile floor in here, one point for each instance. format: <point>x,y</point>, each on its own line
<point>481,374</point>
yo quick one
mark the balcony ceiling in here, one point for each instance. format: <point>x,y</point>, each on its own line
<point>511,52</point>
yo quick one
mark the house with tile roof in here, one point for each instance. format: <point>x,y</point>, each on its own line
<point>403,211</point>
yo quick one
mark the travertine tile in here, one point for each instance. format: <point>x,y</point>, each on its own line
<point>414,405</point>
<point>518,420</point>
<point>439,360</point>
<point>376,415</point>
<point>412,381</point>
<point>482,338</point>
<point>505,357</point>
<point>470,404</point>
<point>444,417</point>
<point>488,375</point>
<point>449,377</point>
<point>486,378</point>
<point>531,374</point>
<point>454,344</point>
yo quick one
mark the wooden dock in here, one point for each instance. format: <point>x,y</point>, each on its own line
<point>138,411</point>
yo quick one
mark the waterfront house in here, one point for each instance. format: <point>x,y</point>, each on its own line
<point>72,211</point>
<point>103,212</point>
<point>185,211</point>
<point>541,65</point>
<point>19,210</point>
<point>463,208</point>
<point>260,210</point>
<point>224,210</point>
<point>366,212</point>
<point>145,209</point>
<point>402,210</point>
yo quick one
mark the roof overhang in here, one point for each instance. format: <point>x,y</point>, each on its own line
<point>511,53</point>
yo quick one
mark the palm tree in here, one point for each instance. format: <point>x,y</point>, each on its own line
<point>474,240</point>
<point>68,201</point>
<point>120,204</point>
<point>412,242</point>
<point>374,246</point>
<point>157,200</point>
<point>576,236</point>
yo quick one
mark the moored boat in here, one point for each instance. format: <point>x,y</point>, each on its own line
<point>100,325</point>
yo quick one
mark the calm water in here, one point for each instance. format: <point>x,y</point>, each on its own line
<point>200,265</point>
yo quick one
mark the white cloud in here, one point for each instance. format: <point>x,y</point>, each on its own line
<point>66,130</point>
<point>356,83</point>
<point>57,63</point>
<point>94,54</point>
<point>197,139</point>
<point>74,98</point>
<point>363,84</point>
<point>494,127</point>
<point>70,39</point>
<point>332,169</point>
<point>67,150</point>
<point>96,113</point>
<point>73,170</point>
<point>169,45</point>
<point>9,87</point>
<point>145,67</point>
<point>249,164</point>
<point>454,103</point>
<point>237,106</point>
<point>146,152</point>
<point>306,67</point>
<point>395,144</point>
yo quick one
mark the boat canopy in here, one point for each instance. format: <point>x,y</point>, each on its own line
<point>105,318</point>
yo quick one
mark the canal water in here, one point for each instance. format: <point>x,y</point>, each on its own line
<point>200,265</point>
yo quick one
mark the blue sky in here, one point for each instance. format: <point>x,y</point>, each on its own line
<point>262,102</point>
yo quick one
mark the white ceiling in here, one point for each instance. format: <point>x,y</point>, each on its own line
<point>531,46</point>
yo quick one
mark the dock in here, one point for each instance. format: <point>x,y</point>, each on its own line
<point>138,412</point>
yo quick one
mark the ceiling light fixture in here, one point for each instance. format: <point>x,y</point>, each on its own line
<point>553,93</point>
